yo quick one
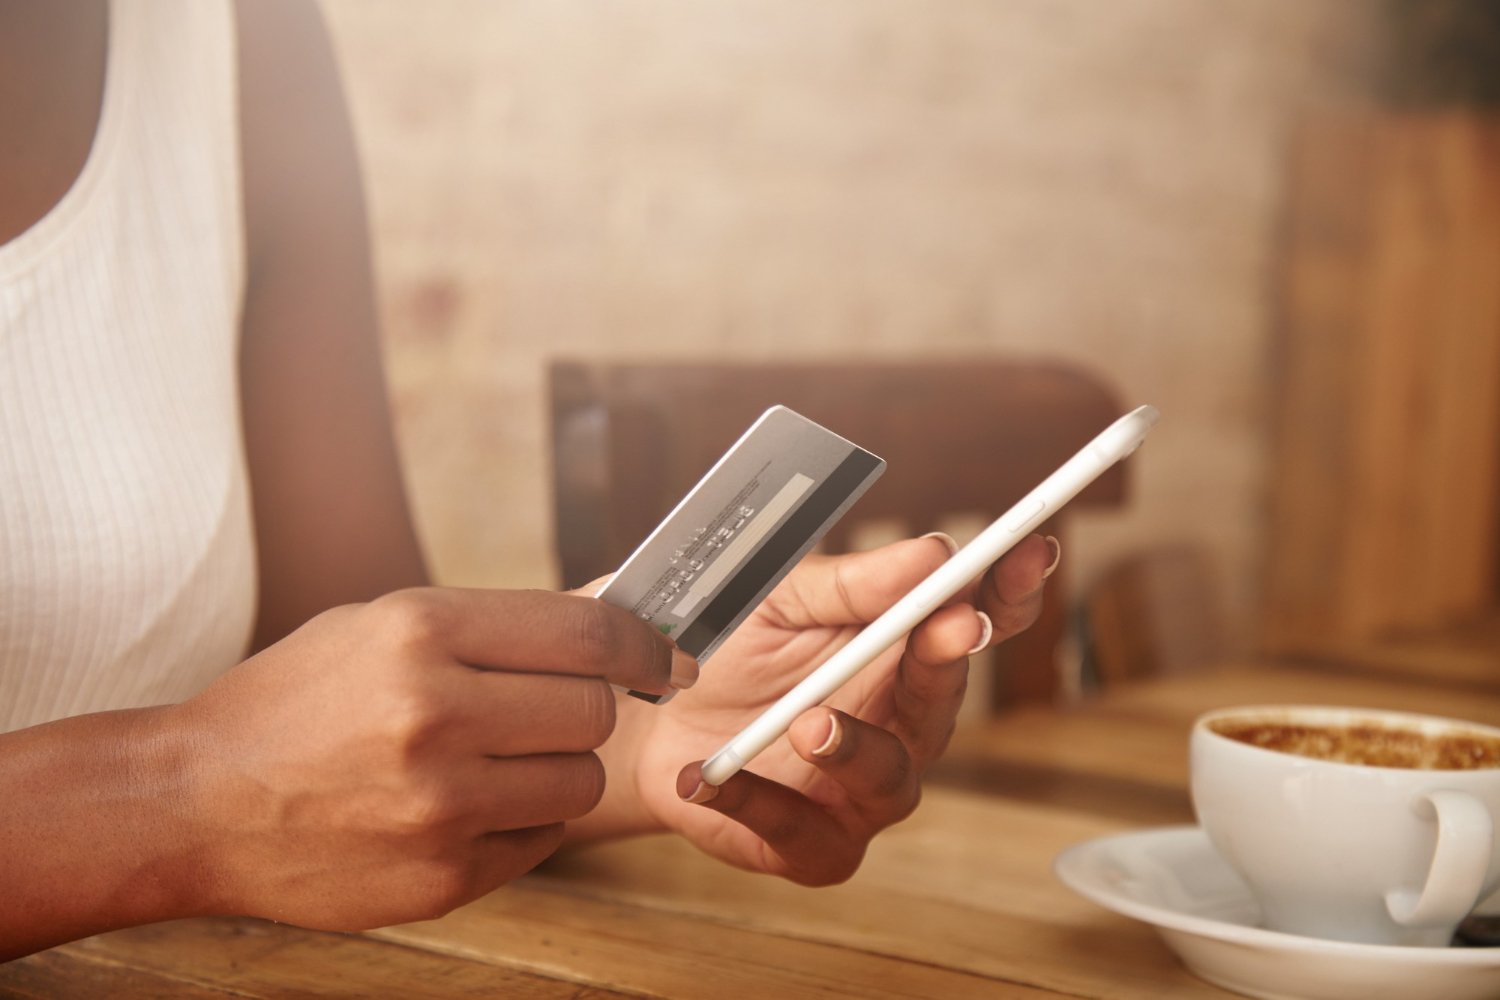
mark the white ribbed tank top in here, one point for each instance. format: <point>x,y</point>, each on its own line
<point>127,567</point>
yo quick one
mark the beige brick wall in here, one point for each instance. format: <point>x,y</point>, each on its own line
<point>1093,179</point>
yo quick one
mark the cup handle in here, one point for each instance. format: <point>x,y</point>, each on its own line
<point>1465,845</point>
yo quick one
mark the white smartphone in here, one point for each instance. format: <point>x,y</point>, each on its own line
<point>1118,440</point>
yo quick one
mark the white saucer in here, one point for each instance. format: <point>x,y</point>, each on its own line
<point>1172,878</point>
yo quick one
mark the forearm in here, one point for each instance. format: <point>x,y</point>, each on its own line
<point>96,828</point>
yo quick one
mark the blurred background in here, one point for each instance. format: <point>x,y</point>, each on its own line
<point>1276,220</point>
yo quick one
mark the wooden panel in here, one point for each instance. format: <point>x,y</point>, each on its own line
<point>259,959</point>
<point>1143,800</point>
<point>57,973</point>
<point>958,901</point>
<point>571,927</point>
<point>965,886</point>
<point>1386,492</point>
<point>1182,699</point>
<point>1422,515</point>
<point>1328,233</point>
<point>1468,655</point>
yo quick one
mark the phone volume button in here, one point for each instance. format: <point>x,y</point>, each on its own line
<point>1017,520</point>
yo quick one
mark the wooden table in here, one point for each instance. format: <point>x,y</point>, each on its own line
<point>1465,653</point>
<point>959,901</point>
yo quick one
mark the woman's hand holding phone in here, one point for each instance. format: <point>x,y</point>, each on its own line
<point>850,768</point>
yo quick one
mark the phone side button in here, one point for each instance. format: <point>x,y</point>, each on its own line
<point>1019,519</point>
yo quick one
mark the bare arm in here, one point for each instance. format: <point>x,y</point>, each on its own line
<point>386,762</point>
<point>330,513</point>
<point>90,834</point>
<point>102,819</point>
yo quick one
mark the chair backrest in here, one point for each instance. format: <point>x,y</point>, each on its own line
<point>961,437</point>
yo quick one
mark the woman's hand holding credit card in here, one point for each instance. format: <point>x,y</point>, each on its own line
<point>866,722</point>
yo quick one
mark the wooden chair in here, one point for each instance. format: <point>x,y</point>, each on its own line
<point>962,437</point>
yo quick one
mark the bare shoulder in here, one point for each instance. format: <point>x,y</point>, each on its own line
<point>297,149</point>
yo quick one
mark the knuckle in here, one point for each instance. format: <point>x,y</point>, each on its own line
<point>596,634</point>
<point>415,720</point>
<point>335,617</point>
<point>412,619</point>
<point>423,809</point>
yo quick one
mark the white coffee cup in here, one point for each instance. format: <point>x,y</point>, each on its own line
<point>1352,852</point>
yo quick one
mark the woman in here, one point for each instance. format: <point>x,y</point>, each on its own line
<point>196,461</point>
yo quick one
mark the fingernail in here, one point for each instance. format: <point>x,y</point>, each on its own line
<point>1056,548</point>
<point>835,737</point>
<point>945,538</point>
<point>684,670</point>
<point>703,793</point>
<point>985,636</point>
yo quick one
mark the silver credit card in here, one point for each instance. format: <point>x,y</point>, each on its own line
<point>758,511</point>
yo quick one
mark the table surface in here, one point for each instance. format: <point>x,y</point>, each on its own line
<point>958,901</point>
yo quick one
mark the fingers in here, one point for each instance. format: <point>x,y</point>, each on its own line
<point>505,714</point>
<point>932,676</point>
<point>427,888</point>
<point>857,588</point>
<point>513,793</point>
<point>535,631</point>
<point>809,846</point>
<point>933,671</point>
<point>1011,591</point>
<point>503,855</point>
<point>506,850</point>
<point>871,764</point>
<point>881,782</point>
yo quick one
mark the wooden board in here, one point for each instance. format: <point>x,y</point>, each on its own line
<point>1388,380</point>
<point>959,901</point>
<point>614,934</point>
<point>1467,655</point>
<point>58,973</point>
<point>964,887</point>
<point>1184,698</point>
<point>253,958</point>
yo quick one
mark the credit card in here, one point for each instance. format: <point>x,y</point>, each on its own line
<point>757,512</point>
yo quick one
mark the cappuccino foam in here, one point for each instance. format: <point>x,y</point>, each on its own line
<point>1368,744</point>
